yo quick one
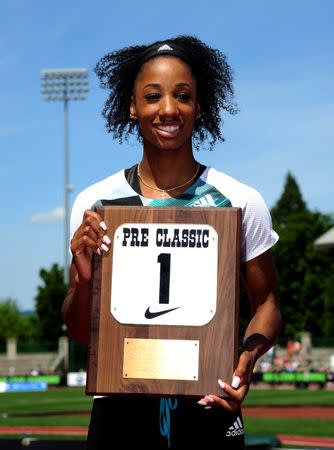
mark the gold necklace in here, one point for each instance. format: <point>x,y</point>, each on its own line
<point>163,192</point>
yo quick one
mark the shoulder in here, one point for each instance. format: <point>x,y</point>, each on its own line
<point>257,234</point>
<point>105,188</point>
<point>88,196</point>
<point>239,194</point>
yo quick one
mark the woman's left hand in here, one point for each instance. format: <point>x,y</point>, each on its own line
<point>234,393</point>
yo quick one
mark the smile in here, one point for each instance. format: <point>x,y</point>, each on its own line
<point>167,130</point>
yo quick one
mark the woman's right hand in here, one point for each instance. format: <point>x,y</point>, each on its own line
<point>89,237</point>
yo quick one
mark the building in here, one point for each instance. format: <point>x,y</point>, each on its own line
<point>326,241</point>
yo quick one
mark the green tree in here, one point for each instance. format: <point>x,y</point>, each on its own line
<point>10,319</point>
<point>290,202</point>
<point>48,303</point>
<point>15,325</point>
<point>30,331</point>
<point>306,274</point>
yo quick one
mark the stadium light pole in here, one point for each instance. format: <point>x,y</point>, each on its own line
<point>65,85</point>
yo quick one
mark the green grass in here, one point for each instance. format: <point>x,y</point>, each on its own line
<point>289,397</point>
<point>75,399</point>
<point>32,408</point>
<point>46,421</point>
<point>297,426</point>
<point>52,400</point>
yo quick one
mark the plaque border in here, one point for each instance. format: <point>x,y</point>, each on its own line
<point>219,339</point>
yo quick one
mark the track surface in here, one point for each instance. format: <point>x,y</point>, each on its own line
<point>310,412</point>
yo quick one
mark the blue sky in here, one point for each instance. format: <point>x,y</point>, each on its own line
<point>282,57</point>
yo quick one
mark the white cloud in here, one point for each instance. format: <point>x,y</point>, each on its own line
<point>56,215</point>
<point>11,130</point>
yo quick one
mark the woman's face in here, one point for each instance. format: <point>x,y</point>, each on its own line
<point>165,103</point>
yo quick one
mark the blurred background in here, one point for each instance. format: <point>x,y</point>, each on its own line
<point>280,142</point>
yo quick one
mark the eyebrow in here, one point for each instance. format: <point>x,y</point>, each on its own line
<point>157,85</point>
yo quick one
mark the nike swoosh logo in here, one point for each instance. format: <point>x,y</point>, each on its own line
<point>151,315</point>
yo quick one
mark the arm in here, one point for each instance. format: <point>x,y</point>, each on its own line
<point>90,237</point>
<point>76,307</point>
<point>260,279</point>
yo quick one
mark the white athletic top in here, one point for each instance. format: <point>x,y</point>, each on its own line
<point>211,189</point>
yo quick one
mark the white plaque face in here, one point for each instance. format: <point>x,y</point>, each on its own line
<point>164,274</point>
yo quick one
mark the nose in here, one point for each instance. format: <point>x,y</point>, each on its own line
<point>169,107</point>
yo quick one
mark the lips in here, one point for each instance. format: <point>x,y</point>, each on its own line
<point>167,130</point>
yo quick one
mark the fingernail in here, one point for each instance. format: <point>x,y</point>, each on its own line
<point>221,384</point>
<point>202,402</point>
<point>235,382</point>
<point>103,225</point>
<point>98,251</point>
<point>207,407</point>
<point>209,399</point>
<point>104,247</point>
<point>106,239</point>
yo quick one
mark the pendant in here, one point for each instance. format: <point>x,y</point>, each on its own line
<point>163,194</point>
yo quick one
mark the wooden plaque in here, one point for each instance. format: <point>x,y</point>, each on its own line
<point>165,301</point>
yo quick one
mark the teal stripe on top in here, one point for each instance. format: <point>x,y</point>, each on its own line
<point>199,194</point>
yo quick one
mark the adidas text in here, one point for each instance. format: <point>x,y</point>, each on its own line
<point>236,429</point>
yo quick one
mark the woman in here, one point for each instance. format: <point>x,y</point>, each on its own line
<point>172,94</point>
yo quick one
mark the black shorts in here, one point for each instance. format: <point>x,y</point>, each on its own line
<point>137,420</point>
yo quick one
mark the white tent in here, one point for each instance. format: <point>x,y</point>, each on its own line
<point>326,240</point>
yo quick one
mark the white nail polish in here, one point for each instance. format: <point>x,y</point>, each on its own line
<point>103,225</point>
<point>98,251</point>
<point>209,399</point>
<point>104,247</point>
<point>221,384</point>
<point>207,407</point>
<point>202,402</point>
<point>235,382</point>
<point>106,239</point>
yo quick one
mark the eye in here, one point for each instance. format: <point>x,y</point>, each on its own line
<point>183,96</point>
<point>153,96</point>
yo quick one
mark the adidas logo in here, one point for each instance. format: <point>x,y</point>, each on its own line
<point>165,47</point>
<point>207,201</point>
<point>236,429</point>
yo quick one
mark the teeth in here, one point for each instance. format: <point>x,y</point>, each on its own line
<point>168,128</point>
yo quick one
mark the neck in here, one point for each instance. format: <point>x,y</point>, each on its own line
<point>164,180</point>
<point>166,169</point>
<point>167,176</point>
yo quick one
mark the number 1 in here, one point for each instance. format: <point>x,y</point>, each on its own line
<point>164,260</point>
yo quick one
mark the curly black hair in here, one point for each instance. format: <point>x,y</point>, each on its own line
<point>117,72</point>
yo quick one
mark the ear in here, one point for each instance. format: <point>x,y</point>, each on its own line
<point>133,109</point>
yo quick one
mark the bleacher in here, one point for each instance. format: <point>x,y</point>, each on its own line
<point>13,362</point>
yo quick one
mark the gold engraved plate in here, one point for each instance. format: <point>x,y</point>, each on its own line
<point>161,359</point>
